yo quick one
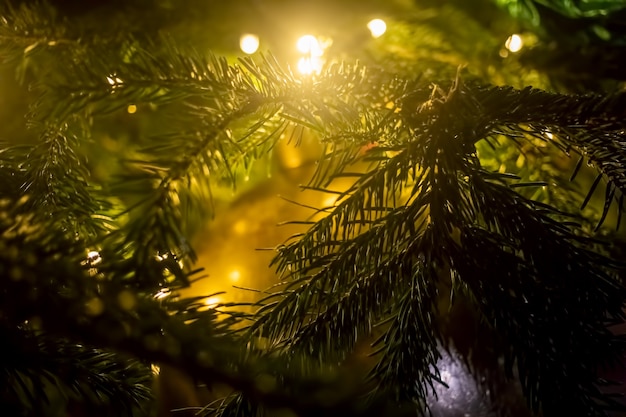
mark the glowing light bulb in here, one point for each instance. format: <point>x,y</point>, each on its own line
<point>94,258</point>
<point>312,49</point>
<point>377,27</point>
<point>131,109</point>
<point>514,43</point>
<point>249,43</point>
<point>308,44</point>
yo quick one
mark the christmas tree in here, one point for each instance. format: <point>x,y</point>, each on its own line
<point>448,179</point>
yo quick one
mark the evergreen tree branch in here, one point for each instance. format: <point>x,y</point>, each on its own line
<point>411,330</point>
<point>26,30</point>
<point>93,308</point>
<point>77,372</point>
<point>57,180</point>
<point>460,196</point>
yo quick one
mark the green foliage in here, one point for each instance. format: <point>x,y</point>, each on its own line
<point>439,211</point>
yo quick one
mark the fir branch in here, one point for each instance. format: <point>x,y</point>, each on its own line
<point>591,125</point>
<point>458,194</point>
<point>412,329</point>
<point>81,373</point>
<point>56,180</point>
<point>26,30</point>
<point>102,312</point>
<point>350,307</point>
<point>544,344</point>
<point>222,98</point>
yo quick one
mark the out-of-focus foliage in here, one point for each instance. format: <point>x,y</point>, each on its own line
<point>455,190</point>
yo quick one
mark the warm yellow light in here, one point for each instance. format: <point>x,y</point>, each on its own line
<point>312,48</point>
<point>249,43</point>
<point>234,275</point>
<point>114,80</point>
<point>212,301</point>
<point>377,27</point>
<point>309,65</point>
<point>308,44</point>
<point>94,258</point>
<point>131,109</point>
<point>514,43</point>
<point>240,227</point>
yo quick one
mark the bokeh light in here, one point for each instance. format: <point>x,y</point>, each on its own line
<point>514,43</point>
<point>312,49</point>
<point>308,44</point>
<point>94,258</point>
<point>234,275</point>
<point>249,43</point>
<point>377,27</point>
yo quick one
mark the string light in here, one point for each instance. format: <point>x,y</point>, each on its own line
<point>313,50</point>
<point>115,82</point>
<point>514,43</point>
<point>131,109</point>
<point>249,43</point>
<point>308,44</point>
<point>92,261</point>
<point>93,257</point>
<point>377,27</point>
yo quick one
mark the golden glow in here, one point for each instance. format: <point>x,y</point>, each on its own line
<point>155,369</point>
<point>308,65</point>
<point>377,27</point>
<point>514,43</point>
<point>131,109</point>
<point>249,43</point>
<point>93,257</point>
<point>212,301</point>
<point>312,49</point>
<point>308,44</point>
<point>240,227</point>
<point>234,275</point>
